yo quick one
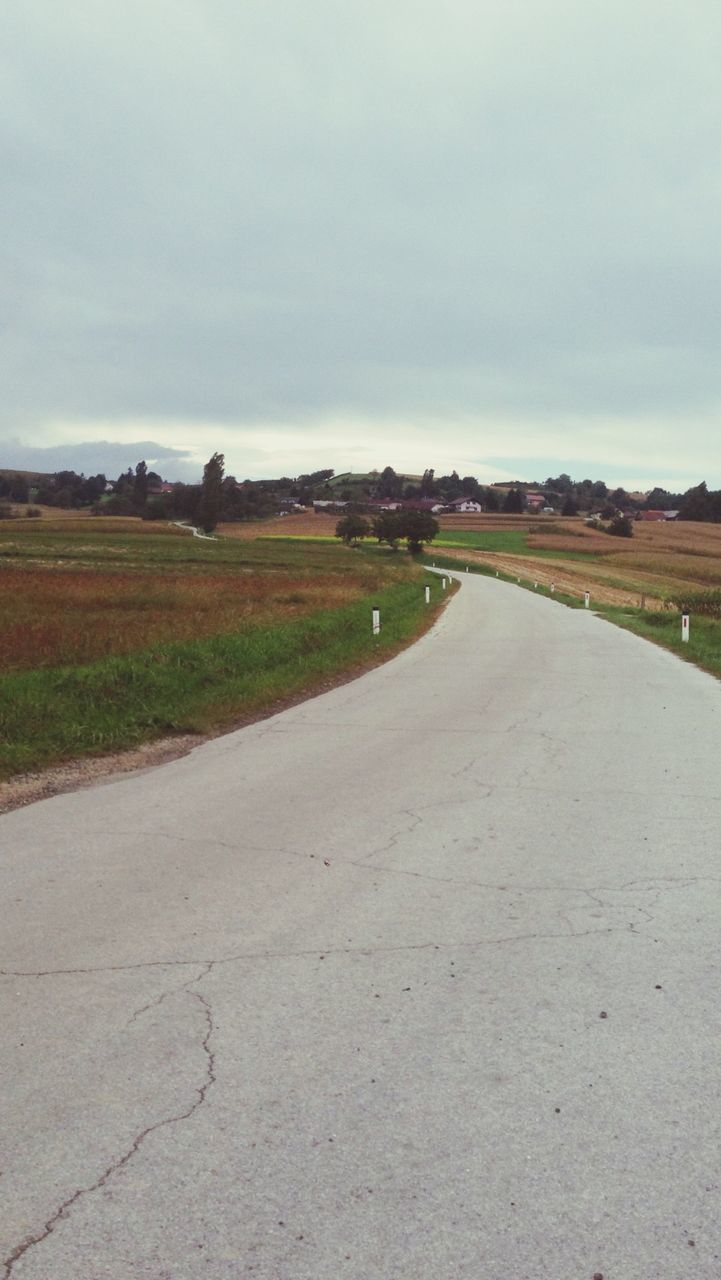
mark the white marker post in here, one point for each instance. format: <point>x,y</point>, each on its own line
<point>535,586</point>
<point>553,587</point>
<point>376,621</point>
<point>496,573</point>
<point>587,599</point>
<point>443,583</point>
<point>685,627</point>
<point>466,568</point>
<point>428,595</point>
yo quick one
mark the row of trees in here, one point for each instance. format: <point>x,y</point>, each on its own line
<point>138,492</point>
<point>64,489</point>
<point>701,503</point>
<point>391,527</point>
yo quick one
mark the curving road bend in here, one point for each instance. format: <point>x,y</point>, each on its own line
<point>417,980</point>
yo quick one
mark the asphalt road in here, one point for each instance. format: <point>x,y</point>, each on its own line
<point>418,980</point>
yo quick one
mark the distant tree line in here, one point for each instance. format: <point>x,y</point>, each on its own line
<point>142,492</point>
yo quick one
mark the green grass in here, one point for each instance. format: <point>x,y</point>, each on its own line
<point>703,647</point>
<point>303,537</point>
<point>170,550</point>
<point>508,541</point>
<point>54,714</point>
<point>512,541</point>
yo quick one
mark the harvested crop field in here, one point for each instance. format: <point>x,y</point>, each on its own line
<point>75,592</point>
<point>658,561</point>
<point>301,525</point>
<point>110,638</point>
<point>52,616</point>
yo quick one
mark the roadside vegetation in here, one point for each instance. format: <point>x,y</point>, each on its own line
<point>118,631</point>
<point>646,593</point>
<point>115,633</point>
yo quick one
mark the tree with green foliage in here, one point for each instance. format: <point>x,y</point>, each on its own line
<point>450,487</point>
<point>390,485</point>
<point>570,507</point>
<point>695,504</point>
<point>661,500</point>
<point>513,502</point>
<point>429,488</point>
<point>352,528</point>
<point>140,485</point>
<point>418,527</point>
<point>388,527</point>
<point>211,493</point>
<point>560,484</point>
<point>470,488</point>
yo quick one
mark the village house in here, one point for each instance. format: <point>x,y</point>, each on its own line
<point>465,504</point>
<point>535,501</point>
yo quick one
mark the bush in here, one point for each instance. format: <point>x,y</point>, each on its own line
<point>620,527</point>
<point>33,513</point>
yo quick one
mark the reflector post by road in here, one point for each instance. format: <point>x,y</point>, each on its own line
<point>443,584</point>
<point>553,587</point>
<point>586,599</point>
<point>685,627</point>
<point>376,621</point>
<point>428,595</point>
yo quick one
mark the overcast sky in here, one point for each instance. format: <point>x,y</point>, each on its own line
<point>481,234</point>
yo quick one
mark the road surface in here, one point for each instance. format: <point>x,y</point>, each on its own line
<point>417,980</point>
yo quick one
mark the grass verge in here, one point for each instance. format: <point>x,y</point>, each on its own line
<point>703,647</point>
<point>55,714</point>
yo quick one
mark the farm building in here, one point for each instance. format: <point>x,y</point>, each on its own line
<point>465,504</point>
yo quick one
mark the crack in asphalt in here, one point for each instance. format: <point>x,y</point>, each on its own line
<point>654,884</point>
<point>201,1091</point>
<point>300,953</point>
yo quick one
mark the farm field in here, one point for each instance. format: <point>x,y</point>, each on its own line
<point>118,631</point>
<point>638,583</point>
<point>657,562</point>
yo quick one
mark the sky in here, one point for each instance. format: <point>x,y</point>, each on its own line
<point>480,235</point>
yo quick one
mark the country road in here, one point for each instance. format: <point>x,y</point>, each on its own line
<point>418,980</point>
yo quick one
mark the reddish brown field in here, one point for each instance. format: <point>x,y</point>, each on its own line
<point>303,525</point>
<point>52,616</point>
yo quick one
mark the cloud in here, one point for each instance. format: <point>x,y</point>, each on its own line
<point>300,219</point>
<point>93,457</point>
